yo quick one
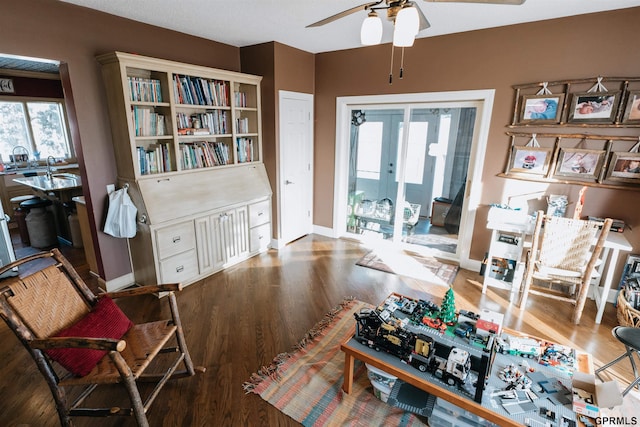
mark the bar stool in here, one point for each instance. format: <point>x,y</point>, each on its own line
<point>19,216</point>
<point>40,223</point>
<point>630,337</point>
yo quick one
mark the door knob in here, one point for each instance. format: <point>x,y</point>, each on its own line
<point>289,182</point>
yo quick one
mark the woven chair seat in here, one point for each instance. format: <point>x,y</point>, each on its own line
<point>143,344</point>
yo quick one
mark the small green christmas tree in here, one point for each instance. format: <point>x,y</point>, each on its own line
<point>448,308</point>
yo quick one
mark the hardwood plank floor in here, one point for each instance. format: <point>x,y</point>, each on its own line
<point>237,320</point>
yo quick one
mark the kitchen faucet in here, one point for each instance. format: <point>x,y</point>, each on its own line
<point>15,158</point>
<point>49,168</point>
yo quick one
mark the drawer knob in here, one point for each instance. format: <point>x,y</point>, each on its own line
<point>260,213</point>
<point>180,269</point>
<point>176,239</point>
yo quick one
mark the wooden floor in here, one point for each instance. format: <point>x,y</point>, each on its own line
<point>236,321</point>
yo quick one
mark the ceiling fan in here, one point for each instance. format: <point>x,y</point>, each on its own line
<point>407,18</point>
<point>393,7</point>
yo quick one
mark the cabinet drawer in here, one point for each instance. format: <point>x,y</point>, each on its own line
<point>259,213</point>
<point>179,268</point>
<point>259,238</point>
<point>175,239</point>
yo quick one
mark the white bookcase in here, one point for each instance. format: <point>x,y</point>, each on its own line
<point>187,141</point>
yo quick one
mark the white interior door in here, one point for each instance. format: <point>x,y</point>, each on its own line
<point>295,181</point>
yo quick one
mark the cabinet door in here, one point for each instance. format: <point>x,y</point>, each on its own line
<point>230,235</point>
<point>206,247</point>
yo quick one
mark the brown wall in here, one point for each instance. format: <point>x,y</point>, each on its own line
<point>571,48</point>
<point>75,35</point>
<point>282,68</point>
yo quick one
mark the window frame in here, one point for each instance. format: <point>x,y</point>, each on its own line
<point>24,100</point>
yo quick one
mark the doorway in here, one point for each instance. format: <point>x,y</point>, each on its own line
<point>407,187</point>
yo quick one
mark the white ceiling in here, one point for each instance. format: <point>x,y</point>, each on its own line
<point>248,22</point>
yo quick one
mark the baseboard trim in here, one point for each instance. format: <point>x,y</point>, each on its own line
<point>117,283</point>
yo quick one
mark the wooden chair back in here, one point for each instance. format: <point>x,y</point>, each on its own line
<point>46,302</point>
<point>566,243</point>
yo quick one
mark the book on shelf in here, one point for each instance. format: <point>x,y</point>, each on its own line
<point>241,99</point>
<point>156,158</point>
<point>144,90</point>
<point>215,121</point>
<point>617,225</point>
<point>147,122</point>
<point>200,154</point>
<point>245,150</point>
<point>242,125</point>
<point>200,91</point>
<point>194,131</point>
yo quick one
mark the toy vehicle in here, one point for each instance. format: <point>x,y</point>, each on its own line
<point>454,369</point>
<point>434,323</point>
<point>418,350</point>
<point>469,314</point>
<point>464,329</point>
<point>521,346</point>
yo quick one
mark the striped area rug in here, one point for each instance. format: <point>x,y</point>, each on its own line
<point>306,384</point>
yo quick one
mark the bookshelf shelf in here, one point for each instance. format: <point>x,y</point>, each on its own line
<point>187,140</point>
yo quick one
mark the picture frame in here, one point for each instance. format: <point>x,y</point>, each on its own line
<point>541,108</point>
<point>594,107</point>
<point>632,108</point>
<point>530,160</point>
<point>624,167</point>
<point>579,163</point>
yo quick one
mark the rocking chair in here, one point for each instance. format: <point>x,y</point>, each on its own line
<point>78,338</point>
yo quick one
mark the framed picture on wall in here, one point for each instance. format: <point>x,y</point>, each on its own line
<point>632,109</point>
<point>579,163</point>
<point>624,167</point>
<point>541,108</point>
<point>594,107</point>
<point>530,160</point>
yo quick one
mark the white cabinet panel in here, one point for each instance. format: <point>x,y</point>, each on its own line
<point>179,268</point>
<point>174,239</point>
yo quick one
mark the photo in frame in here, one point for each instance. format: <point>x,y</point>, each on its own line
<point>541,108</point>
<point>579,163</point>
<point>594,107</point>
<point>530,160</point>
<point>624,167</point>
<point>632,109</point>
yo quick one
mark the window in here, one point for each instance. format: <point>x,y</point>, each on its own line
<point>38,126</point>
<point>369,150</point>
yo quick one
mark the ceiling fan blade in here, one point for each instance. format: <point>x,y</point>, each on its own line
<point>513,2</point>
<point>424,23</point>
<point>343,14</point>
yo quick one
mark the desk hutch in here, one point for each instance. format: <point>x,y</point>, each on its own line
<point>187,141</point>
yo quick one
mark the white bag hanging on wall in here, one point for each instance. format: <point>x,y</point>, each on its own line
<point>121,216</point>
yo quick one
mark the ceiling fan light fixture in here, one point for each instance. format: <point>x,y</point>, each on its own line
<point>406,27</point>
<point>408,20</point>
<point>371,30</point>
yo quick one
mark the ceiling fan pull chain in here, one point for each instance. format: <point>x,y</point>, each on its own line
<point>402,63</point>
<point>391,69</point>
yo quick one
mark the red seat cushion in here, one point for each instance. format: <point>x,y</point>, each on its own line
<point>106,320</point>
